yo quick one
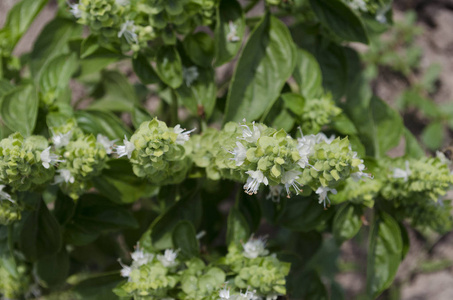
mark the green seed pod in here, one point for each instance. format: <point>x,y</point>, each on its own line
<point>84,159</point>
<point>317,113</point>
<point>14,279</point>
<point>21,166</point>
<point>159,153</point>
<point>9,212</point>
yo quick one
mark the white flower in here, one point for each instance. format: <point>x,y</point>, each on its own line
<point>104,141</point>
<point>127,149</point>
<point>274,193</point>
<point>224,293</point>
<point>168,260</point>
<point>380,15</point>
<point>232,36</point>
<point>306,147</point>
<point>289,179</point>
<point>141,258</point>
<point>75,11</point>
<point>321,137</point>
<point>443,159</point>
<point>246,296</point>
<point>61,139</point>
<point>126,270</point>
<point>122,2</point>
<point>65,176</point>
<point>253,182</point>
<point>255,247</point>
<point>240,153</point>
<point>190,75</point>
<point>128,30</point>
<point>400,173</point>
<point>183,135</point>
<point>48,158</point>
<point>322,192</point>
<point>250,135</point>
<point>358,5</point>
<point>5,195</point>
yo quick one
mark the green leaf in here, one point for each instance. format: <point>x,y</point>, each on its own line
<point>184,238</point>
<point>387,126</point>
<point>225,50</point>
<point>413,148</point>
<point>64,208</point>
<point>188,208</point>
<point>52,40</point>
<point>103,122</point>
<point>343,125</point>
<point>306,284</point>
<point>89,46</point>
<point>5,87</point>
<point>119,183</point>
<point>332,60</point>
<point>94,215</point>
<point>41,234</point>
<point>19,109</point>
<point>384,254</point>
<point>18,21</point>
<point>340,19</point>
<point>307,75</point>
<point>347,223</point>
<point>433,135</point>
<point>98,286</point>
<point>199,47</point>
<point>97,61</point>
<point>237,227</point>
<point>52,270</point>
<point>169,66</point>
<point>303,213</point>
<point>265,64</point>
<point>140,115</point>
<point>56,75</point>
<point>119,93</point>
<point>144,70</point>
<point>200,97</point>
<point>294,103</point>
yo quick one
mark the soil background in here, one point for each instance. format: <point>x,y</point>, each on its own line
<point>427,271</point>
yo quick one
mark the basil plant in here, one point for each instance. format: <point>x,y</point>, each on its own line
<point>202,149</point>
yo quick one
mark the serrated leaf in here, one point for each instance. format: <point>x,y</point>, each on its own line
<point>225,49</point>
<point>19,109</point>
<point>340,19</point>
<point>265,64</point>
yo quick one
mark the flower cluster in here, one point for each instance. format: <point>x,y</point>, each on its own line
<point>271,157</point>
<point>157,152</point>
<point>22,163</point>
<point>376,7</point>
<point>13,279</point>
<point>84,158</point>
<point>10,211</point>
<point>132,24</point>
<point>427,178</point>
<point>359,192</point>
<point>317,113</point>
<point>256,269</point>
<point>248,273</point>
